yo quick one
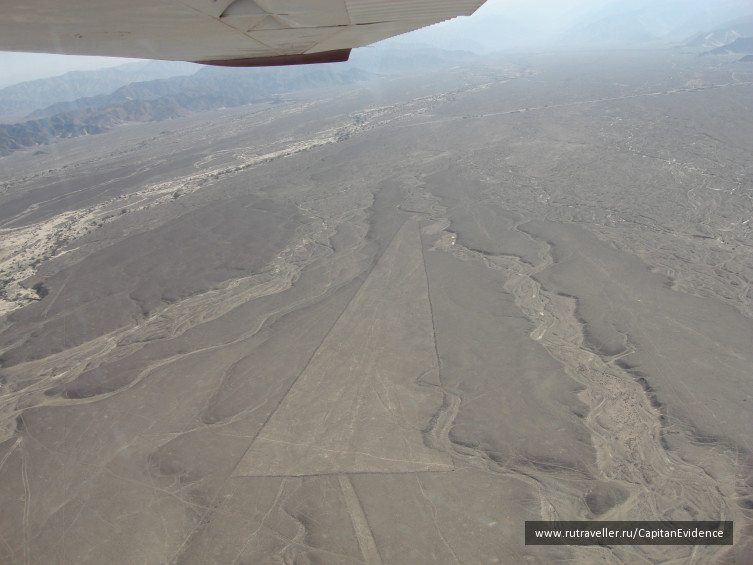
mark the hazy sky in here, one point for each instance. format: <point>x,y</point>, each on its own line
<point>20,67</point>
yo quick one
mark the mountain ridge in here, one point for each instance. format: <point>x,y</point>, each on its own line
<point>207,89</point>
<point>17,100</point>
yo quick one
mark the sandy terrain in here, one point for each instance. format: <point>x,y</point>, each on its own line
<point>386,325</point>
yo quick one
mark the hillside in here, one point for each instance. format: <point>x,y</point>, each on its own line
<point>19,99</point>
<point>739,45</point>
<point>208,89</point>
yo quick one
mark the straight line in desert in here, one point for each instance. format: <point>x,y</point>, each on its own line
<point>358,407</point>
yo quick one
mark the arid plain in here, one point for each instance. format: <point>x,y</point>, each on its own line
<point>387,324</point>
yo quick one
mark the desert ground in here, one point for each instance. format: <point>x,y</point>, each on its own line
<point>387,324</point>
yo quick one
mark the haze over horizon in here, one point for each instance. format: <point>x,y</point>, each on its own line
<point>497,25</point>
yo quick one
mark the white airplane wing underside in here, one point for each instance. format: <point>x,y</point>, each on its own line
<point>225,32</point>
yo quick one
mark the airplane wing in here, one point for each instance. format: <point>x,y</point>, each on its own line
<point>219,32</point>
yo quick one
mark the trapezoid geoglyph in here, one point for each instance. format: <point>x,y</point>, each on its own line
<point>361,404</point>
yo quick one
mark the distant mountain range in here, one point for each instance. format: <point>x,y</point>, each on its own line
<point>584,24</point>
<point>653,22</point>
<point>722,35</point>
<point>730,39</point>
<point>739,45</point>
<point>209,88</point>
<point>19,99</point>
<point>206,89</point>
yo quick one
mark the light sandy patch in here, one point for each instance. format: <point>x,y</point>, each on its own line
<point>361,405</point>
